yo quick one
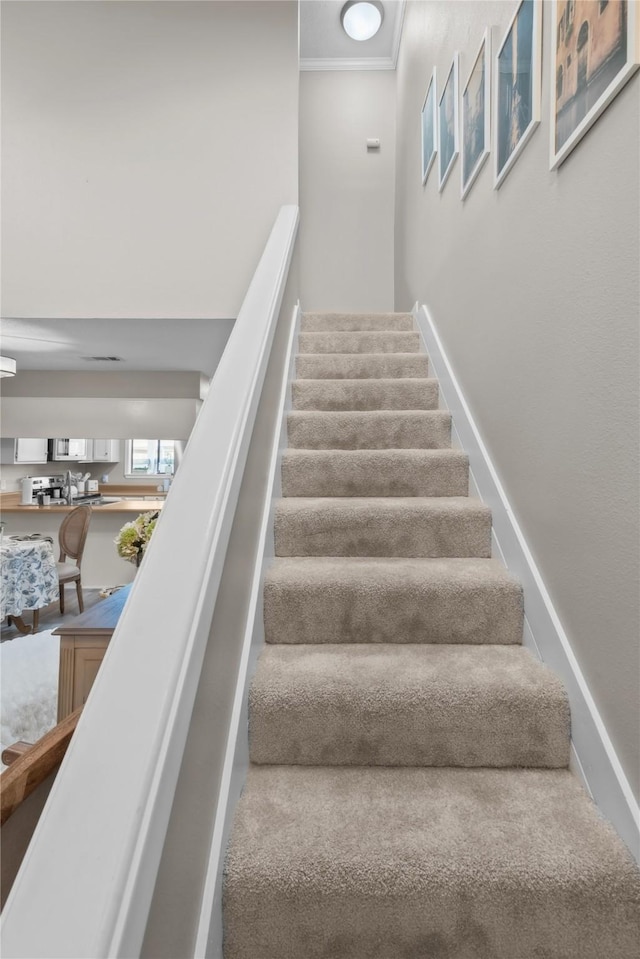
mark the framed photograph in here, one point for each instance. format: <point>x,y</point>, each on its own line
<point>518,76</point>
<point>476,115</point>
<point>448,124</point>
<point>596,50</point>
<point>428,126</point>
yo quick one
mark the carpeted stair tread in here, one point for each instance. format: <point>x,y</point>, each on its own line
<point>369,429</point>
<point>375,473</point>
<point>361,366</point>
<point>328,599</point>
<point>365,394</point>
<point>382,526</point>
<point>428,863</point>
<point>409,705</point>
<point>375,341</point>
<point>325,322</point>
<point>393,808</point>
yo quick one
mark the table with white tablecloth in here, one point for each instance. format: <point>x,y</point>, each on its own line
<point>29,577</point>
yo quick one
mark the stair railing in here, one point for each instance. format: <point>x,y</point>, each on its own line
<point>87,880</point>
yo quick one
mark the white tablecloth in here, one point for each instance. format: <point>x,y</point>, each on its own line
<point>29,576</point>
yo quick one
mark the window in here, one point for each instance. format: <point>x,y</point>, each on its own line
<point>603,4</point>
<point>149,458</point>
<point>559,82</point>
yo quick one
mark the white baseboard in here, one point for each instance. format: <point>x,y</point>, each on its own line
<point>593,756</point>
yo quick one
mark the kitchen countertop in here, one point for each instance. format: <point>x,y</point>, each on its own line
<point>131,489</point>
<point>124,506</point>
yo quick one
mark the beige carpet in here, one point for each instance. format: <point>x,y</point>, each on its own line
<point>408,796</point>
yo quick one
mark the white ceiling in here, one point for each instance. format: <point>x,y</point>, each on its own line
<point>325,46</point>
<point>143,344</point>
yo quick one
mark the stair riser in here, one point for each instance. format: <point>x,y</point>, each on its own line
<point>332,322</point>
<point>434,923</point>
<point>330,720</point>
<point>439,863</point>
<point>355,395</point>
<point>411,612</point>
<point>354,366</point>
<point>378,531</point>
<point>369,431</point>
<point>374,342</point>
<point>373,473</point>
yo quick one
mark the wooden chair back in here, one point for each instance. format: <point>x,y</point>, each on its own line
<point>72,534</point>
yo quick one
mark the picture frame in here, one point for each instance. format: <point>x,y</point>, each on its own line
<point>517,88</point>
<point>448,136</point>
<point>596,50</point>
<point>428,127</point>
<point>475,126</point>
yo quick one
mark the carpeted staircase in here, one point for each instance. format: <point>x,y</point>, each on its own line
<point>408,795</point>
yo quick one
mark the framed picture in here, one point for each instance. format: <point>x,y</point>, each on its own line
<point>596,50</point>
<point>476,115</point>
<point>448,124</point>
<point>428,126</point>
<point>518,78</point>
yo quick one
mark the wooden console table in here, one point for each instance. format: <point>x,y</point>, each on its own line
<point>83,643</point>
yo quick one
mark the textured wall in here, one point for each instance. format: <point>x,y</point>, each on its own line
<point>146,150</point>
<point>346,192</point>
<point>534,289</point>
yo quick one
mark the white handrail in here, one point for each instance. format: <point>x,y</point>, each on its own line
<point>87,880</point>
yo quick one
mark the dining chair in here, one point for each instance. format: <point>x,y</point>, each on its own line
<point>72,537</point>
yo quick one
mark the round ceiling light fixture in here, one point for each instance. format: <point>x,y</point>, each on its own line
<point>7,366</point>
<point>361,20</point>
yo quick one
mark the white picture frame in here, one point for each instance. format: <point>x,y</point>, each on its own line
<point>517,87</point>
<point>448,134</point>
<point>429,127</point>
<point>475,116</point>
<point>591,61</point>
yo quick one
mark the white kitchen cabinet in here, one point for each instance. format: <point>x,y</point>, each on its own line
<point>103,451</point>
<point>30,450</point>
<point>69,449</point>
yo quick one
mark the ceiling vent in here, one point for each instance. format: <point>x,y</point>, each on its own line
<point>103,359</point>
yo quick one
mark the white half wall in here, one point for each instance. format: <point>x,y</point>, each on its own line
<point>346,190</point>
<point>101,405</point>
<point>535,292</point>
<point>146,150</point>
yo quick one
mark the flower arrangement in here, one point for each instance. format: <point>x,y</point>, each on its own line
<point>133,539</point>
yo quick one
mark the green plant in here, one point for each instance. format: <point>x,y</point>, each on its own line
<point>133,539</point>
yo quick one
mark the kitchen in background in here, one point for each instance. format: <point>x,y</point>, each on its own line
<point>99,463</point>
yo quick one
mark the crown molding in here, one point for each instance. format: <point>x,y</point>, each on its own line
<point>397,34</point>
<point>344,63</point>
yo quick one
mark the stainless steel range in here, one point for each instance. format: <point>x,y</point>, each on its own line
<point>34,487</point>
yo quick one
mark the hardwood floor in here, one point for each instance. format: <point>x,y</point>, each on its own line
<point>50,615</point>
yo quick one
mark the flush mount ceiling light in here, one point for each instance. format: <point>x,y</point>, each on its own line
<point>361,20</point>
<point>7,366</point>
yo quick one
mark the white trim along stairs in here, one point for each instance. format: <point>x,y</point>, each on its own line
<point>408,793</point>
<point>593,756</point>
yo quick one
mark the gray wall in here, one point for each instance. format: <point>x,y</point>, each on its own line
<point>346,192</point>
<point>534,289</point>
<point>146,149</point>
